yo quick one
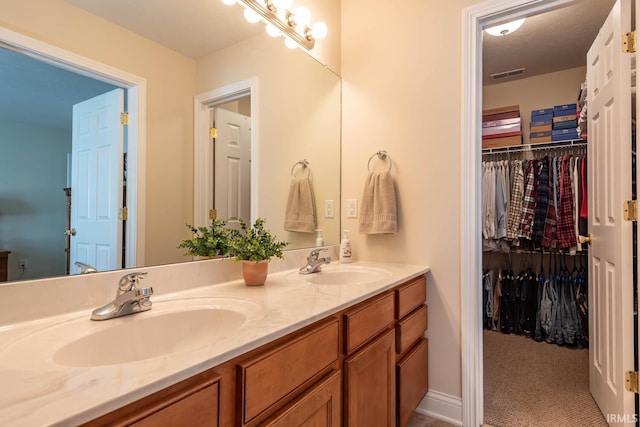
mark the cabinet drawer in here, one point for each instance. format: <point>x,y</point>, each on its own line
<point>366,321</point>
<point>268,378</point>
<point>410,296</point>
<point>200,408</point>
<point>410,329</point>
<point>413,381</point>
<point>320,406</point>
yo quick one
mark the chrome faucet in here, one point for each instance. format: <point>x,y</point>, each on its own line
<point>314,262</point>
<point>85,268</point>
<point>129,299</point>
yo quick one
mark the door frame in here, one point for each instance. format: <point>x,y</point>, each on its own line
<point>136,130</point>
<point>474,19</point>
<point>203,149</point>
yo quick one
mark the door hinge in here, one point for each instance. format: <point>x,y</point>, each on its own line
<point>124,118</point>
<point>213,214</point>
<point>213,133</point>
<point>630,210</point>
<point>629,42</point>
<point>631,381</point>
<point>123,214</point>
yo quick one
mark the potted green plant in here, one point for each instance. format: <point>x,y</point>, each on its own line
<point>254,246</point>
<point>207,242</point>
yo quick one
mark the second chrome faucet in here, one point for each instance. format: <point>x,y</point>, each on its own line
<point>314,262</point>
<point>130,298</point>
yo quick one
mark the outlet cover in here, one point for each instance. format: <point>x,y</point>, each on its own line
<point>329,209</point>
<point>352,208</point>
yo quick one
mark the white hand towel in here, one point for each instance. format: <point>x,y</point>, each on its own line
<point>300,213</point>
<point>378,213</point>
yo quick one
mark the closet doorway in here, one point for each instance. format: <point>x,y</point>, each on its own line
<point>484,16</point>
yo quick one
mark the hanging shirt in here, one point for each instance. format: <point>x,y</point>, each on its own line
<point>566,232</point>
<point>515,205</point>
<point>542,203</point>
<point>528,201</point>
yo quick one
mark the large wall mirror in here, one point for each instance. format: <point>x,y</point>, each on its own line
<point>294,105</point>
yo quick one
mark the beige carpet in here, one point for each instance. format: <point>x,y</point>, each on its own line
<point>527,383</point>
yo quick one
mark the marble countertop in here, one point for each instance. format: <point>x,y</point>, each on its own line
<point>35,390</point>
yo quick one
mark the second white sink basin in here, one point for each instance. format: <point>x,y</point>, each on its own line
<point>345,275</point>
<point>169,327</point>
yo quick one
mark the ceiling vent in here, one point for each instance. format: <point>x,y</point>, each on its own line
<point>519,72</point>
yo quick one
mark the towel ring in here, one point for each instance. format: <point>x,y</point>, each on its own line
<point>305,165</point>
<point>382,154</point>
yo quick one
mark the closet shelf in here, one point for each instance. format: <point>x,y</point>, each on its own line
<point>557,145</point>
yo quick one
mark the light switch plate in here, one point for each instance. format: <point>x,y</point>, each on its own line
<point>329,209</point>
<point>352,208</point>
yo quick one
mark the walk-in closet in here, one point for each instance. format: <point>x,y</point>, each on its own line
<point>535,221</point>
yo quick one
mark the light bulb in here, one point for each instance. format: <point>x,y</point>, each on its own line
<point>273,31</point>
<point>282,4</point>
<point>251,16</point>
<point>290,43</point>
<point>229,2</point>
<point>302,16</point>
<point>319,30</point>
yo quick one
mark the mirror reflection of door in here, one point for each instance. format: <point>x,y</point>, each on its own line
<point>232,162</point>
<point>96,168</point>
<point>35,142</point>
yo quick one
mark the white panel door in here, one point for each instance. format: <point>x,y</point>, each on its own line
<point>232,167</point>
<point>96,185</point>
<point>611,321</point>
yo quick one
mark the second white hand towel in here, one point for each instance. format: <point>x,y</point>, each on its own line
<point>300,213</point>
<point>378,214</point>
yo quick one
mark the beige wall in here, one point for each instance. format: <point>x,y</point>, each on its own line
<point>170,89</point>
<point>546,90</point>
<point>401,92</point>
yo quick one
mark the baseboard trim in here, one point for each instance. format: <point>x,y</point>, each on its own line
<point>442,406</point>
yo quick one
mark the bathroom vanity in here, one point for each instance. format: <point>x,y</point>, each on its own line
<point>310,349</point>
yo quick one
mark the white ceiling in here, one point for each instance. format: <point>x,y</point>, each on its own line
<point>548,42</point>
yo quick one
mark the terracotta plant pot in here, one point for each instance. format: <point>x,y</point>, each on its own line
<point>255,273</point>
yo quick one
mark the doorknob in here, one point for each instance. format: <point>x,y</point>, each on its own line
<point>585,239</point>
<point>71,232</point>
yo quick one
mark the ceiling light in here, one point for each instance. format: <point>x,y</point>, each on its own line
<point>504,29</point>
<point>294,27</point>
<point>251,16</point>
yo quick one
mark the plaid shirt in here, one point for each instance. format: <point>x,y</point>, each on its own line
<point>515,205</point>
<point>528,201</point>
<point>542,203</point>
<point>566,231</point>
<point>550,239</point>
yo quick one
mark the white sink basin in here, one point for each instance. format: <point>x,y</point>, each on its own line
<point>344,275</point>
<point>169,327</point>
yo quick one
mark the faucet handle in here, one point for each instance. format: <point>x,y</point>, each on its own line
<point>129,281</point>
<point>314,254</point>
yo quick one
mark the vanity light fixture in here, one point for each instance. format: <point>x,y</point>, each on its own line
<point>504,29</point>
<point>294,26</point>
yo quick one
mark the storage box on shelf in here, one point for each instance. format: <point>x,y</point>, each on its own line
<point>565,116</point>
<point>540,125</point>
<point>501,127</point>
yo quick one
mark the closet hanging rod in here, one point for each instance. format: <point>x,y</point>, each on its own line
<point>304,163</point>
<point>535,147</point>
<point>382,154</point>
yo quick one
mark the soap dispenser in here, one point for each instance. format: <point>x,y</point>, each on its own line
<point>345,248</point>
<point>319,238</point>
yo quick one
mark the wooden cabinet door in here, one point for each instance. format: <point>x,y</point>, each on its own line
<point>319,407</point>
<point>413,380</point>
<point>370,384</point>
